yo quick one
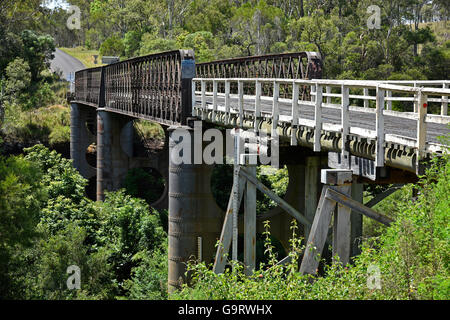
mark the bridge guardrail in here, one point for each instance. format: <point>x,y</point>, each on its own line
<point>340,99</point>
<point>296,65</point>
<point>87,85</point>
<point>156,86</point>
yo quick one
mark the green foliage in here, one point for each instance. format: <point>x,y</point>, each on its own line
<point>18,80</point>
<point>37,51</point>
<point>130,230</point>
<point>149,278</point>
<point>113,46</point>
<point>50,126</point>
<point>151,44</point>
<point>412,256</point>
<point>48,225</point>
<point>132,42</point>
<point>54,253</point>
<point>61,178</point>
<point>21,197</point>
<point>276,180</point>
<point>202,42</point>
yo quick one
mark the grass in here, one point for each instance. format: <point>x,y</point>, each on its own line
<point>49,125</point>
<point>84,55</point>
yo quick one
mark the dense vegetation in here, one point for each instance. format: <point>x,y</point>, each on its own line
<point>403,47</point>
<point>411,258</point>
<point>47,223</point>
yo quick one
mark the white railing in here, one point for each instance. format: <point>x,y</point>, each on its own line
<point>335,94</point>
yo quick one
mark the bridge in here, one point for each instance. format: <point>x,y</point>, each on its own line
<point>333,136</point>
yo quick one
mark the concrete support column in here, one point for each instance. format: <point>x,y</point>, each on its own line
<point>114,150</point>
<point>75,135</point>
<point>81,138</point>
<point>104,159</point>
<point>127,138</point>
<point>193,213</point>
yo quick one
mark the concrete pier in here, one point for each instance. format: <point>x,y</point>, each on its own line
<point>193,212</point>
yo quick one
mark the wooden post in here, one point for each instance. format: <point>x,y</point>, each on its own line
<point>250,224</point>
<point>318,235</point>
<point>312,185</point>
<point>328,90</point>
<point>194,110</point>
<point>366,94</point>
<point>345,123</point>
<point>313,90</point>
<point>275,107</point>
<point>379,150</point>
<point>421,125</point>
<point>416,102</point>
<point>342,228</point>
<point>389,102</point>
<point>214,112</point>
<point>227,101</point>
<point>322,218</point>
<point>318,119</point>
<point>241,103</point>
<point>444,105</point>
<point>295,113</point>
<point>257,105</point>
<point>356,220</point>
<point>236,168</point>
<point>203,87</point>
<point>227,231</point>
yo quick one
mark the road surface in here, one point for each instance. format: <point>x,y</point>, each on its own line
<point>65,63</point>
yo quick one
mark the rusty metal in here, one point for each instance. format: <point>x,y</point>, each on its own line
<point>157,86</point>
<point>154,87</point>
<point>298,65</point>
<point>87,85</point>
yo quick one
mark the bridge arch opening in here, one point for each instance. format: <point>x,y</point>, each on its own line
<point>150,137</point>
<point>91,155</point>
<point>91,188</point>
<point>145,183</point>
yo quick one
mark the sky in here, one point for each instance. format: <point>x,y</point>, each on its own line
<point>51,4</point>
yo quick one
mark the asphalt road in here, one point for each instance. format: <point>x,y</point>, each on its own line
<point>65,63</point>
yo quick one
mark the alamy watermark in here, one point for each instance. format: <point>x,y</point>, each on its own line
<point>188,148</point>
<point>74,280</point>
<point>374,21</point>
<point>74,21</point>
<point>373,277</point>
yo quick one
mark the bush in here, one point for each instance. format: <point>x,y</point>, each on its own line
<point>412,257</point>
<point>112,46</point>
<point>151,44</point>
<point>130,230</point>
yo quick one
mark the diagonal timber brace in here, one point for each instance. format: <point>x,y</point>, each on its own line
<point>331,197</point>
<point>227,230</point>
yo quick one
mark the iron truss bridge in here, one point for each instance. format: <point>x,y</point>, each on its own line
<point>357,122</point>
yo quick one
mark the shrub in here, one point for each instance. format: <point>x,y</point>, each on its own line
<point>112,46</point>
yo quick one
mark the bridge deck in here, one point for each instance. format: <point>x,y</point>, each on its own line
<point>359,117</point>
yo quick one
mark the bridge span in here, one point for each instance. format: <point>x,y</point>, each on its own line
<point>334,136</point>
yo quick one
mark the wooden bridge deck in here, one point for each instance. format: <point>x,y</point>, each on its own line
<point>359,117</point>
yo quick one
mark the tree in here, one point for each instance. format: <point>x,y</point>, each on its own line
<point>21,197</point>
<point>37,51</point>
<point>113,46</point>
